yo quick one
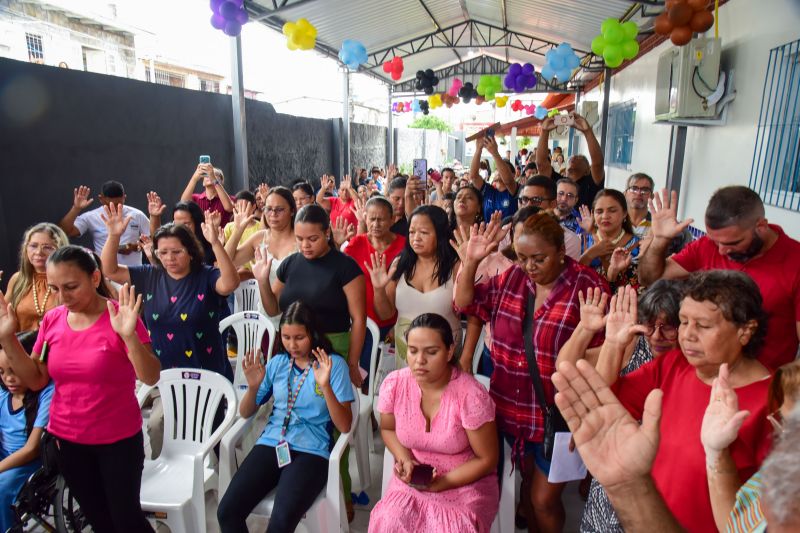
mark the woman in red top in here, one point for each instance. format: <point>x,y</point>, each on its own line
<point>544,273</point>
<point>377,241</point>
<point>721,321</point>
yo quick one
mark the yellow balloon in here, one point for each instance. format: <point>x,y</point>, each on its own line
<point>435,100</point>
<point>300,35</point>
<point>501,101</point>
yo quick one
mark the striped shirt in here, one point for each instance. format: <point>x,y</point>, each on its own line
<point>501,302</point>
<point>747,516</point>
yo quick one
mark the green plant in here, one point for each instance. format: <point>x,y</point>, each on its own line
<point>525,141</point>
<point>429,122</point>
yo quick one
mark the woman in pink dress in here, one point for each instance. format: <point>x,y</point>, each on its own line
<point>434,414</point>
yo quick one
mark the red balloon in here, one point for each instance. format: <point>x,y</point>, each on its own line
<point>662,25</point>
<point>701,21</point>
<point>680,14</point>
<point>681,35</point>
<point>697,5</point>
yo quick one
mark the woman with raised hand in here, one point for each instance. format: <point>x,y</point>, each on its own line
<point>610,245</point>
<point>467,209</point>
<point>533,308</point>
<point>28,291</point>
<point>94,414</point>
<point>187,213</point>
<point>435,415</point>
<point>721,323</point>
<point>420,280</point>
<point>312,392</point>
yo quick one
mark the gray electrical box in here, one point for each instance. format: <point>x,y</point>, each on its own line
<point>686,76</point>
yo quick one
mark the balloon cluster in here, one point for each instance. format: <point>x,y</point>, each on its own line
<point>529,109</point>
<point>449,99</point>
<point>394,67</point>
<point>467,92</point>
<point>424,107</point>
<point>553,112</point>
<point>426,81</point>
<point>489,85</point>
<point>228,16</point>
<point>401,107</point>
<point>520,77</point>
<point>352,54</point>
<point>560,62</point>
<point>516,105</point>
<point>616,41</point>
<point>300,35</point>
<point>455,87</point>
<point>500,101</point>
<point>541,113</point>
<point>435,100</point>
<point>682,18</point>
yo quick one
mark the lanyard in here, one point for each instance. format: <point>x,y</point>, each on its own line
<point>292,397</point>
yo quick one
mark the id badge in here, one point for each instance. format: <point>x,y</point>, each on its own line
<point>282,451</point>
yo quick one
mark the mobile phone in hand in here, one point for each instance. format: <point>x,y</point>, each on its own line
<point>205,159</point>
<point>421,171</point>
<point>421,476</point>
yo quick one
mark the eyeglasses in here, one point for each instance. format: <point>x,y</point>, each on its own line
<point>170,253</point>
<point>567,195</point>
<point>535,200</point>
<point>668,332</point>
<point>645,191</point>
<point>46,248</point>
<point>276,210</point>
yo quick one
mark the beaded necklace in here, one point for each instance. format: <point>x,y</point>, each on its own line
<point>40,310</point>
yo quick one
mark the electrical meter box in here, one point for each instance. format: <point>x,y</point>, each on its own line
<point>686,76</point>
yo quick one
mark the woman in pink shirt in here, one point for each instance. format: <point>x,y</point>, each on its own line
<point>94,349</point>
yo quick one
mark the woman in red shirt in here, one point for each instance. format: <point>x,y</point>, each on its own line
<point>721,321</point>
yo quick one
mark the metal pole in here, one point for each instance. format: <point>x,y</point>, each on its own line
<point>390,133</point>
<point>345,122</point>
<point>677,150</point>
<point>606,96</point>
<point>239,180</point>
<point>571,147</point>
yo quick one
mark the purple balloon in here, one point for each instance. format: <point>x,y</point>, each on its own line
<point>527,69</point>
<point>217,21</point>
<point>242,17</point>
<point>215,4</point>
<point>232,28</point>
<point>228,10</point>
<point>519,84</point>
<point>515,69</point>
<point>509,81</point>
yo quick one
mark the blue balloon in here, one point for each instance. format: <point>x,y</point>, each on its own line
<point>415,106</point>
<point>352,54</point>
<point>563,75</point>
<point>540,113</point>
<point>548,73</point>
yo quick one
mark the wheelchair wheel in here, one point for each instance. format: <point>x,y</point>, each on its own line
<point>67,514</point>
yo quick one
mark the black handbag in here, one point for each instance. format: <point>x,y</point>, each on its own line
<point>553,421</point>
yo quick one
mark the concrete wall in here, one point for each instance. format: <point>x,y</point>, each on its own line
<point>367,146</point>
<point>718,155</point>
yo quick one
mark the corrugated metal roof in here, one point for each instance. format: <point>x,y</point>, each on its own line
<point>382,24</point>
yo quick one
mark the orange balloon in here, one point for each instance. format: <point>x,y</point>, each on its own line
<point>681,35</point>
<point>697,5</point>
<point>680,14</point>
<point>701,21</point>
<point>669,3</point>
<point>662,25</point>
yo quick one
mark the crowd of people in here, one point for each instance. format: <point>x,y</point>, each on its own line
<point>671,360</point>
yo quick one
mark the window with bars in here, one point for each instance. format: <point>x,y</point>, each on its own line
<point>211,86</point>
<point>35,48</point>
<point>775,171</point>
<point>166,78</point>
<point>619,144</point>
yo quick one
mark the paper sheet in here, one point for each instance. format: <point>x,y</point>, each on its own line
<point>566,465</point>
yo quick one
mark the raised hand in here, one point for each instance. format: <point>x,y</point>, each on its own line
<point>146,244</point>
<point>481,242</point>
<point>342,231</point>
<point>722,420</point>
<point>116,222</point>
<point>580,123</point>
<point>548,124</point>
<point>253,368</point>
<point>621,326</point>
<point>125,318</point>
<point>322,367</point>
<point>497,220</point>
<point>663,209</point>
<point>81,197</point>
<point>614,447</point>
<point>262,192</point>
<point>155,207</point>
<point>391,172</point>
<point>490,143</point>
<point>326,182</point>
<point>587,220</point>
<point>359,209</point>
<point>8,319</point>
<point>211,226</point>
<point>621,259</point>
<point>460,241</point>
<point>378,275</point>
<point>346,182</point>
<point>262,266</point>
<point>243,214</point>
<point>593,308</point>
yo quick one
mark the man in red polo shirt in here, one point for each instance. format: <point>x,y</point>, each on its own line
<point>738,238</point>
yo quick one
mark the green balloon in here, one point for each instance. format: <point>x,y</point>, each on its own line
<point>614,34</point>
<point>630,49</point>
<point>613,55</point>
<point>598,45</point>
<point>608,23</point>
<point>631,29</point>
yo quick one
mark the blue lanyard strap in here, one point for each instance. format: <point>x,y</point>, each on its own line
<point>292,397</point>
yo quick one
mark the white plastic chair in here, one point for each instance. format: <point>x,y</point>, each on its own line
<point>250,327</point>
<point>173,485</point>
<point>246,297</point>
<point>364,439</point>
<point>327,514</point>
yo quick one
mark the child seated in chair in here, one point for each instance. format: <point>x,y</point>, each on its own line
<point>312,394</point>
<point>23,416</point>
